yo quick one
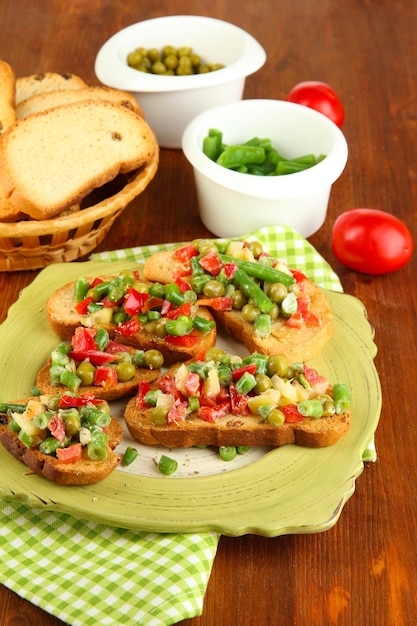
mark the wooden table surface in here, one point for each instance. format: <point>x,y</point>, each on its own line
<point>363,570</point>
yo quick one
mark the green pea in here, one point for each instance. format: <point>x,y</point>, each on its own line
<point>153,359</point>
<point>256,248</point>
<point>277,292</point>
<point>276,417</point>
<point>277,364</point>
<point>213,289</point>
<point>263,383</point>
<point>215,354</point>
<point>159,415</point>
<point>125,371</point>
<point>250,312</point>
<point>72,425</point>
<point>86,371</point>
<point>238,300</point>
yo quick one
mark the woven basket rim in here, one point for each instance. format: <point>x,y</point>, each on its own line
<point>75,220</point>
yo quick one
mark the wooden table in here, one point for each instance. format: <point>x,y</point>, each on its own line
<point>362,571</point>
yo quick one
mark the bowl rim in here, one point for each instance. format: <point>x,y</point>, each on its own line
<point>112,72</point>
<point>290,186</point>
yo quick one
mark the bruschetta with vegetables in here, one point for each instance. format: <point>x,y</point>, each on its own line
<point>255,297</point>
<point>93,363</point>
<point>227,400</point>
<point>135,312</point>
<point>67,438</point>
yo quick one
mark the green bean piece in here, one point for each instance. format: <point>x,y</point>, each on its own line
<point>341,398</point>
<point>152,396</point>
<point>25,438</point>
<point>15,408</point>
<point>42,420</point>
<point>167,466</point>
<point>101,338</point>
<point>227,453</point>
<point>262,325</point>
<point>130,455</point>
<point>242,449</point>
<point>289,305</point>
<point>180,326</point>
<point>99,291</point>
<point>252,290</point>
<point>14,426</point>
<point>310,408</point>
<point>173,294</point>
<point>212,144</point>
<point>81,286</point>
<point>157,290</point>
<point>49,445</point>
<point>235,156</point>
<point>259,270</point>
<point>96,451</point>
<point>203,325</point>
<point>193,403</point>
<point>246,383</point>
<point>70,380</point>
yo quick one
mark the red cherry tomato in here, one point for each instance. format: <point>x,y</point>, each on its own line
<point>321,97</point>
<point>371,241</point>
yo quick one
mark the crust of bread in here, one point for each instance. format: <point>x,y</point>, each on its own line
<point>7,96</point>
<point>81,145</point>
<point>293,343</point>
<point>27,86</point>
<point>232,430</point>
<point>49,99</point>
<point>84,472</point>
<point>64,319</point>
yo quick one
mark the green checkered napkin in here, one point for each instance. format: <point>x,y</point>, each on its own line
<point>86,573</point>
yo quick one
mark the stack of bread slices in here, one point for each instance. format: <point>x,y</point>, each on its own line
<point>60,139</point>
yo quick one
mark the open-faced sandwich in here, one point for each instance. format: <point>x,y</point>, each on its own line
<point>227,400</point>
<point>134,312</point>
<point>93,363</point>
<point>67,438</point>
<point>256,298</point>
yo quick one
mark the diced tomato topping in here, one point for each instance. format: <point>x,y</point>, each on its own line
<point>82,307</point>
<point>167,384</point>
<point>143,389</point>
<point>135,301</point>
<point>96,357</point>
<point>114,346</point>
<point>109,304</point>
<point>182,309</point>
<point>239,371</point>
<point>57,427</point>
<point>298,275</point>
<point>296,320</point>
<point>166,306</point>
<point>83,339</point>
<point>178,411</point>
<point>152,303</point>
<point>292,414</point>
<point>210,414</point>
<point>105,377</point>
<point>185,341</point>
<point>212,263</point>
<point>182,284</point>
<point>180,271</point>
<point>307,316</point>
<point>96,281</point>
<point>316,380</point>
<point>239,402</point>
<point>72,454</point>
<point>230,269</point>
<point>129,328</point>
<point>219,303</point>
<point>192,384</point>
<point>184,253</point>
<point>67,400</point>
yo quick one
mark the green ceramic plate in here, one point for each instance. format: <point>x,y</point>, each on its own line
<point>269,492</point>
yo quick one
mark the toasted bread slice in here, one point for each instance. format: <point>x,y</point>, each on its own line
<point>218,426</point>
<point>50,161</point>
<point>300,341</point>
<point>7,96</point>
<point>49,99</point>
<point>64,319</point>
<point>82,472</point>
<point>27,86</point>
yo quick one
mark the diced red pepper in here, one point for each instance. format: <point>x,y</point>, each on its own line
<point>192,384</point>
<point>135,301</point>
<point>152,303</point>
<point>129,328</point>
<point>182,284</point>
<point>210,414</point>
<point>57,427</point>
<point>298,275</point>
<point>114,346</point>
<point>96,281</point>
<point>239,402</point>
<point>212,263</point>
<point>296,320</point>
<point>67,400</point>
<point>230,269</point>
<point>184,253</point>
<point>166,306</point>
<point>106,377</point>
<point>109,304</point>
<point>239,371</point>
<point>182,309</point>
<point>316,380</point>
<point>143,389</point>
<point>218,303</point>
<point>72,454</point>
<point>184,341</point>
<point>82,307</point>
<point>292,414</point>
<point>167,385</point>
<point>83,339</point>
<point>177,412</point>
<point>96,357</point>
<point>180,271</point>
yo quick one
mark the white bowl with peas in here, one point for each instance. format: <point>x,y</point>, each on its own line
<point>223,55</point>
<point>263,162</point>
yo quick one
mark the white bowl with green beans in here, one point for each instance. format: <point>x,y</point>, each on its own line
<point>169,99</point>
<point>260,162</point>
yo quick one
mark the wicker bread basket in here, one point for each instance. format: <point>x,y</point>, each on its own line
<point>30,245</point>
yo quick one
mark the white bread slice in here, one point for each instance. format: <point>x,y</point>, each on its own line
<point>49,99</point>
<point>27,86</point>
<point>83,472</point>
<point>52,160</point>
<point>7,96</point>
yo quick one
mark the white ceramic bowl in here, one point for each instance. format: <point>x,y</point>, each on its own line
<point>170,102</point>
<point>231,203</point>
